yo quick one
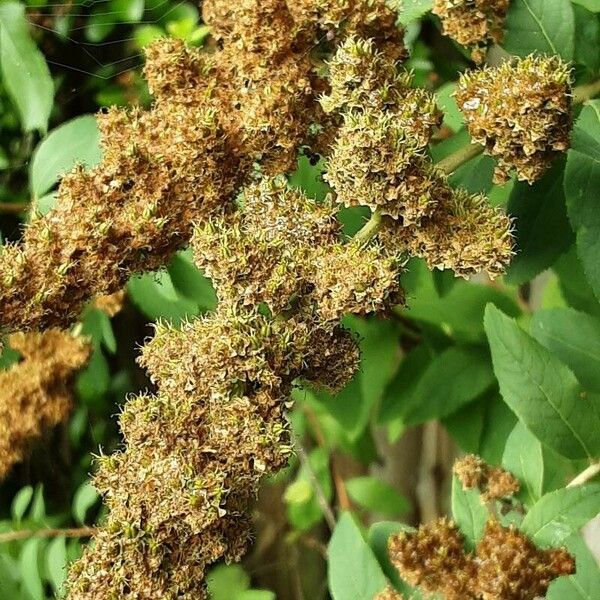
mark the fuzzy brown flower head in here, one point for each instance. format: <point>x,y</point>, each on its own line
<point>494,483</point>
<point>512,568</point>
<point>176,72</point>
<point>378,161</point>
<point>473,23</point>
<point>355,279</point>
<point>464,234</point>
<point>434,559</point>
<point>263,253</point>
<point>520,112</point>
<point>36,393</point>
<point>329,22</point>
<point>362,77</point>
<point>263,27</point>
<point>333,358</point>
<point>111,304</point>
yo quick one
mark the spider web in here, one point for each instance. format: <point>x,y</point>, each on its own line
<point>92,49</point>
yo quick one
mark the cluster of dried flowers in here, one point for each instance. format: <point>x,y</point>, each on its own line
<point>505,564</point>
<point>473,23</point>
<point>36,392</point>
<point>205,164</point>
<point>520,112</point>
<point>494,483</point>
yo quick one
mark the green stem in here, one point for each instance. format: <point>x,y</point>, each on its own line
<point>370,228</point>
<point>449,164</point>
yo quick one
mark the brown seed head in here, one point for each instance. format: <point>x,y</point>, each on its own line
<point>520,112</point>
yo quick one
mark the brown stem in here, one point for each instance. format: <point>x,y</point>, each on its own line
<point>13,536</point>
<point>13,208</point>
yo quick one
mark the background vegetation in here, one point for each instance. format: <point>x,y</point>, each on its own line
<point>436,379</point>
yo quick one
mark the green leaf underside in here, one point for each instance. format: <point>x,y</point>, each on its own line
<point>541,390</point>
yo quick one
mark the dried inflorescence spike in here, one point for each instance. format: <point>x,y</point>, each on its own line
<point>506,564</point>
<point>494,483</point>
<point>520,112</point>
<point>36,393</point>
<point>465,234</point>
<point>473,23</point>
<point>433,558</point>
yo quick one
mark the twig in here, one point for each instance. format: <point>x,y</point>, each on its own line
<point>13,208</point>
<point>449,164</point>
<point>79,532</point>
<point>586,475</point>
<point>426,487</point>
<point>321,499</point>
<point>586,92</point>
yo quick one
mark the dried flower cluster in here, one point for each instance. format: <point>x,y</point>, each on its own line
<point>379,159</point>
<point>389,593</point>
<point>494,483</point>
<point>216,119</point>
<point>505,564</point>
<point>473,23</point>
<point>36,393</point>
<point>520,112</point>
<point>180,490</point>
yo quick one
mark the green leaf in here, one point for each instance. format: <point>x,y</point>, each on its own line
<point>9,577</point>
<point>190,282</point>
<point>377,496</point>
<point>587,38</point>
<point>401,389</point>
<point>541,390</point>
<point>469,512</point>
<point>21,502</point>
<point>25,73</point>
<point>303,509</point>
<point>593,5</point>
<point>413,10</point>
<point>76,141</point>
<point>226,581</point>
<point>543,230</point>
<point>454,378</point>
<point>573,284</point>
<point>29,568</point>
<point>378,538</point>
<point>582,181</point>
<point>575,338</point>
<point>524,458</point>
<point>353,570</point>
<point>380,354</point>
<point>459,313</point>
<point>560,514</point>
<point>155,295</point>
<point>255,595</point>
<point>585,583</point>
<point>56,563</point>
<point>127,11</point>
<point>453,117</point>
<point>539,26</point>
<point>85,497</point>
